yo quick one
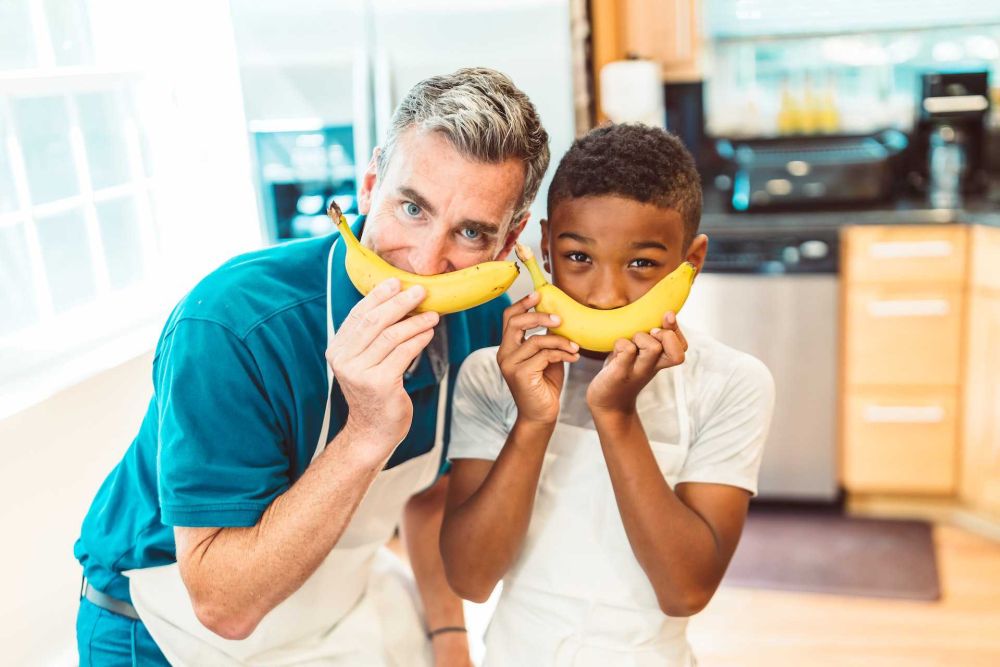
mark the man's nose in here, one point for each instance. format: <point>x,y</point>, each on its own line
<point>607,291</point>
<point>429,256</point>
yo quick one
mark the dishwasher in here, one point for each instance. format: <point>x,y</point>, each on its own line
<point>774,294</point>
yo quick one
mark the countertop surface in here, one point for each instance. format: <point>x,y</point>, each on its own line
<point>981,210</point>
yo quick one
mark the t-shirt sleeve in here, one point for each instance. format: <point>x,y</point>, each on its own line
<point>729,446</point>
<point>221,458</point>
<point>482,415</point>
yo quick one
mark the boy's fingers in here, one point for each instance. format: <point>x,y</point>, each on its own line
<point>522,305</point>
<point>650,349</point>
<point>674,348</point>
<point>519,323</point>
<point>545,358</point>
<point>670,324</point>
<point>536,344</point>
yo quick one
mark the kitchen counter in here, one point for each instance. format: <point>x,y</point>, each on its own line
<point>979,210</point>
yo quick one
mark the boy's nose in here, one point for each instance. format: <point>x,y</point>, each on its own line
<point>607,293</point>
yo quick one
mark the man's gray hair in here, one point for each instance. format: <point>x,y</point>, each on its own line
<point>484,116</point>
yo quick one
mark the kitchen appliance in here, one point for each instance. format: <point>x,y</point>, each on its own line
<point>810,171</point>
<point>322,79</point>
<point>774,295</point>
<point>947,158</point>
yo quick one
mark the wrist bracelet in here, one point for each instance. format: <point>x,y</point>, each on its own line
<point>441,631</point>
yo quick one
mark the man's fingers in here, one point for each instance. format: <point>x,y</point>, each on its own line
<point>366,323</point>
<point>395,335</point>
<point>384,291</point>
<point>400,358</point>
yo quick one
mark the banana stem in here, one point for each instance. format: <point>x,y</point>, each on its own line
<point>340,220</point>
<point>528,259</point>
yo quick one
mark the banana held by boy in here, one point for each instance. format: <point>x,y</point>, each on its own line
<point>597,330</point>
<point>446,292</point>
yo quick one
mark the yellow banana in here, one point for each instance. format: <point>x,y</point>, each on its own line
<point>597,330</point>
<point>446,292</point>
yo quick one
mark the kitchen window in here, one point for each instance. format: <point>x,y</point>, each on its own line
<point>117,158</point>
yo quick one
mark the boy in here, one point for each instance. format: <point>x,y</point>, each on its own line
<point>607,491</point>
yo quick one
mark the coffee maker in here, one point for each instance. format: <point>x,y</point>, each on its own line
<point>947,148</point>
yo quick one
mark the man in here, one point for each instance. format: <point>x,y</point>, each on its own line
<point>245,522</point>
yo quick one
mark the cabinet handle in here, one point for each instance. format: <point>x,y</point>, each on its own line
<point>909,308</point>
<point>903,414</point>
<point>910,249</point>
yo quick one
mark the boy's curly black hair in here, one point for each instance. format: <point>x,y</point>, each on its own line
<point>638,162</point>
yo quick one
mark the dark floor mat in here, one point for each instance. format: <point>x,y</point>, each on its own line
<point>824,552</point>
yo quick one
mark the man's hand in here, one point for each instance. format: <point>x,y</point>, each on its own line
<point>369,355</point>
<point>632,364</point>
<point>533,367</point>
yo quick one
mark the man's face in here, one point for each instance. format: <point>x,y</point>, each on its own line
<point>607,251</point>
<point>434,210</point>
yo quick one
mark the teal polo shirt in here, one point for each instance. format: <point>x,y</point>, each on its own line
<point>239,391</point>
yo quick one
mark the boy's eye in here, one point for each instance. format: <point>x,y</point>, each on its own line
<point>641,263</point>
<point>411,209</point>
<point>577,257</point>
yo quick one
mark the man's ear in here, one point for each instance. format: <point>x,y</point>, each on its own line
<point>696,252</point>
<point>369,183</point>
<point>512,235</point>
<point>545,246</point>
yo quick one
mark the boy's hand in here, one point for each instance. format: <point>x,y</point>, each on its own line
<point>632,364</point>
<point>533,367</point>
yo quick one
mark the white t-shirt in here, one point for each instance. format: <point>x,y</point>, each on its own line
<point>729,396</point>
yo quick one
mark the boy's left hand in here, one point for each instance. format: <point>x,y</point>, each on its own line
<point>632,364</point>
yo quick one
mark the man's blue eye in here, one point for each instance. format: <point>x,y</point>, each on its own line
<point>471,234</point>
<point>411,209</point>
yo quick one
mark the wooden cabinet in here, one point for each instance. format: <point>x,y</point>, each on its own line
<point>904,334</point>
<point>920,390</point>
<point>900,439</point>
<point>979,487</point>
<point>665,31</point>
<point>904,317</point>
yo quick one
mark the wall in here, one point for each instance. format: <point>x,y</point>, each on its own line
<point>56,455</point>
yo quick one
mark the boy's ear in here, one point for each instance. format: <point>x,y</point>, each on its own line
<point>696,252</point>
<point>512,235</point>
<point>545,246</point>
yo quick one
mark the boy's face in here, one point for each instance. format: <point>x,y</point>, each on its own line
<point>607,251</point>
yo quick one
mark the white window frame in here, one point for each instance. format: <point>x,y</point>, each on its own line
<point>61,349</point>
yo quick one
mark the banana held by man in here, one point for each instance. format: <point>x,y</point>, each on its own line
<point>597,330</point>
<point>446,292</point>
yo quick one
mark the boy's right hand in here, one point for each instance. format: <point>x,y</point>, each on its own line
<point>533,367</point>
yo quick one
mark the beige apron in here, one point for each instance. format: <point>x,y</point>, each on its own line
<point>576,595</point>
<point>360,608</point>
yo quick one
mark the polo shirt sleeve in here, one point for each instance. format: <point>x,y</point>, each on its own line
<point>221,458</point>
<point>730,445</point>
<point>483,409</point>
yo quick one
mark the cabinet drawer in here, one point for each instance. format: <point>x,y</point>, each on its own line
<point>934,254</point>
<point>903,335</point>
<point>899,441</point>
